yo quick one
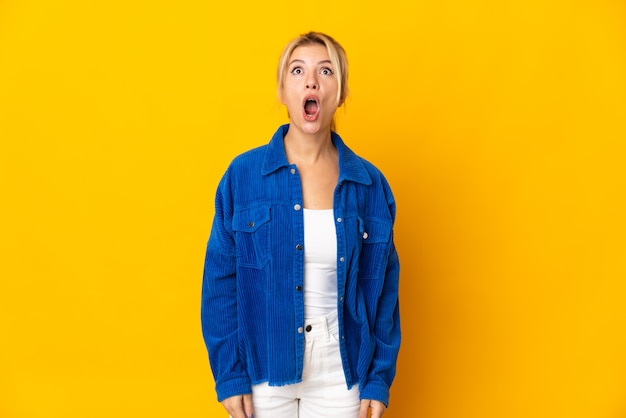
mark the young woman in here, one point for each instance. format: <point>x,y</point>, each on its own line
<point>300,308</point>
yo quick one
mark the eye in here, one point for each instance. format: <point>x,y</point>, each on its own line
<point>326,71</point>
<point>296,70</point>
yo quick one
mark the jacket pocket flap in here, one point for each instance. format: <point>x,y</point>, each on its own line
<point>251,219</point>
<point>375,230</point>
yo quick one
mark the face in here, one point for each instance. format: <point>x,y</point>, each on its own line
<point>310,89</point>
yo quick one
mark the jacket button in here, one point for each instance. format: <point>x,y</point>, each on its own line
<point>299,288</point>
<point>299,330</point>
<point>299,247</point>
<point>297,207</point>
<point>251,224</point>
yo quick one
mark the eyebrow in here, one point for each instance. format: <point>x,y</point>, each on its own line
<point>302,61</point>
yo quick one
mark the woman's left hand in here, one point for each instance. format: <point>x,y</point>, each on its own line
<point>378,408</point>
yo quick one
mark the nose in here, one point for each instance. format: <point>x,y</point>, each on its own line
<point>311,83</point>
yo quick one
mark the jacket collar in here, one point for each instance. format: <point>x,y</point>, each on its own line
<point>351,166</point>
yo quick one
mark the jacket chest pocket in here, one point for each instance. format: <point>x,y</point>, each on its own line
<point>374,236</point>
<point>252,236</point>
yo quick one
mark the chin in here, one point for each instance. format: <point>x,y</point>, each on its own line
<point>314,127</point>
<point>311,129</point>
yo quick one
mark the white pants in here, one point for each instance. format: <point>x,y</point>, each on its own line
<point>323,392</point>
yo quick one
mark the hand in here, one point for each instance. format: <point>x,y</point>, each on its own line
<point>378,408</point>
<point>239,406</point>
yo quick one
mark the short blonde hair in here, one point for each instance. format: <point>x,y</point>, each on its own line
<point>336,53</point>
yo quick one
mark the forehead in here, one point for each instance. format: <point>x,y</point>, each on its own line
<point>310,53</point>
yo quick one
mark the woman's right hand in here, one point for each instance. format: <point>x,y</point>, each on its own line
<point>239,406</point>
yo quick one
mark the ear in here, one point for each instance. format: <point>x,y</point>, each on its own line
<point>341,102</point>
<point>279,93</point>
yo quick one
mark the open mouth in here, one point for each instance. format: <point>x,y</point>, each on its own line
<point>311,108</point>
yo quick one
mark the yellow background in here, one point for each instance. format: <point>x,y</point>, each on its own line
<point>501,127</point>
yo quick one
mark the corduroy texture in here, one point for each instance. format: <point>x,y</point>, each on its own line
<point>252,298</point>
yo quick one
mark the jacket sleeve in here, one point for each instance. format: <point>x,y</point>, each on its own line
<point>219,301</point>
<point>386,325</point>
<point>387,336</point>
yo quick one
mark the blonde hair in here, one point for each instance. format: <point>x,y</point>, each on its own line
<point>337,56</point>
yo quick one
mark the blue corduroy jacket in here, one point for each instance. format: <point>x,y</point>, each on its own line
<point>252,295</point>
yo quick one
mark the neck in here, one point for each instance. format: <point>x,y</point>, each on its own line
<point>308,148</point>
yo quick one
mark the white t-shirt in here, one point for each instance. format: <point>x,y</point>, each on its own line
<point>320,263</point>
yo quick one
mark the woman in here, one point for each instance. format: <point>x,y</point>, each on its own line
<point>300,293</point>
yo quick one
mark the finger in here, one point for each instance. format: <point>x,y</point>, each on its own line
<point>247,406</point>
<point>237,413</point>
<point>378,409</point>
<point>234,406</point>
<point>365,406</point>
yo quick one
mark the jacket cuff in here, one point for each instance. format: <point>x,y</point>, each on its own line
<point>233,387</point>
<point>376,392</point>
